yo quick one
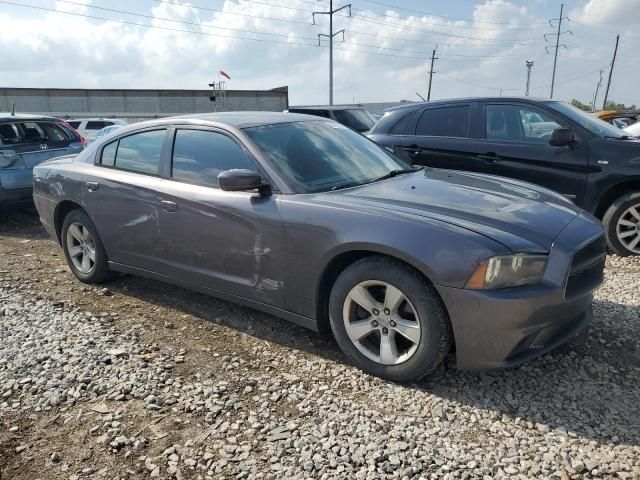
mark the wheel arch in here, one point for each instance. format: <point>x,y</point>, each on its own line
<point>338,263</point>
<point>62,210</point>
<point>613,193</point>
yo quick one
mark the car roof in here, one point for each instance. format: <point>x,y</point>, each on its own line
<point>93,119</point>
<point>24,116</point>
<point>327,107</point>
<point>247,119</point>
<point>532,100</point>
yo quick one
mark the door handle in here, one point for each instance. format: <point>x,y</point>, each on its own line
<point>490,157</point>
<point>168,206</point>
<point>92,186</point>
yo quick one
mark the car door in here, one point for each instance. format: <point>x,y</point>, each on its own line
<point>441,138</point>
<point>120,195</point>
<point>226,241</point>
<point>516,145</point>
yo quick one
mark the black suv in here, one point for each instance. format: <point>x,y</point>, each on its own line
<point>546,142</point>
<point>352,116</point>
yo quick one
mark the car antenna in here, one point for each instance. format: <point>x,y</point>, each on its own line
<point>13,109</point>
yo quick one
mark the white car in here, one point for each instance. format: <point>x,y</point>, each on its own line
<point>88,127</point>
<point>633,130</point>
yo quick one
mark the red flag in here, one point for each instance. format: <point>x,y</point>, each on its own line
<point>224,74</point>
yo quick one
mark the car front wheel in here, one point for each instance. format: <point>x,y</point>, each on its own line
<point>83,249</point>
<point>389,320</point>
<point>622,225</point>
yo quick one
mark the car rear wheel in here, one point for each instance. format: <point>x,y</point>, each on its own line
<point>389,320</point>
<point>83,248</point>
<point>622,225</point>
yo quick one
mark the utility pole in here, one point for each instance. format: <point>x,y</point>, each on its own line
<point>606,93</point>
<point>557,35</point>
<point>433,57</point>
<point>330,12</point>
<point>529,66</point>
<point>595,96</point>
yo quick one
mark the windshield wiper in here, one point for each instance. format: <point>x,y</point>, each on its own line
<point>394,173</point>
<point>340,186</point>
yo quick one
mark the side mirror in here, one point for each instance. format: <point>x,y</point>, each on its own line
<point>239,180</point>
<point>561,137</point>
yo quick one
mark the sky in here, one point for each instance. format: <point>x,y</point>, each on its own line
<point>482,46</point>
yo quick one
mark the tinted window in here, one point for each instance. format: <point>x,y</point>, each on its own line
<point>96,125</point>
<point>402,125</point>
<point>591,123</point>
<point>357,118</point>
<point>140,152</point>
<point>109,154</point>
<point>516,123</point>
<point>320,155</point>
<point>199,156</point>
<point>9,133</point>
<point>444,122</point>
<point>74,124</point>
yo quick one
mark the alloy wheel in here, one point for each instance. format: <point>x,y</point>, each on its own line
<point>81,248</point>
<point>381,322</point>
<point>628,229</point>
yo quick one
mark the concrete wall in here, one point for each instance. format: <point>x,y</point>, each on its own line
<point>134,105</point>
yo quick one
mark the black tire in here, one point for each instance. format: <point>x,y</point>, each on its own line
<point>613,216</point>
<point>100,271</point>
<point>435,334</point>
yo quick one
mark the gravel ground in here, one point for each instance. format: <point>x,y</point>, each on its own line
<point>144,380</point>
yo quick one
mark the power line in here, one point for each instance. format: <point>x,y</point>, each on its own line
<point>226,12</point>
<point>184,22</point>
<point>445,16</point>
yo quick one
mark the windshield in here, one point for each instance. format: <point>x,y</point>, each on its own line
<point>317,156</point>
<point>356,118</point>
<point>588,121</point>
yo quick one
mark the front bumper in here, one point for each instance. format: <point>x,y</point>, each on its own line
<point>502,328</point>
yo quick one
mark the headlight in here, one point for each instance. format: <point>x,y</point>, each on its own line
<point>508,271</point>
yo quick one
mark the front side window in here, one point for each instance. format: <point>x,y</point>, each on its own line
<point>74,124</point>
<point>9,134</point>
<point>593,124</point>
<point>444,122</point>
<point>320,155</point>
<point>199,156</point>
<point>515,123</point>
<point>139,152</point>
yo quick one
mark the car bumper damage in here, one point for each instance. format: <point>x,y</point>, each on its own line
<point>503,328</point>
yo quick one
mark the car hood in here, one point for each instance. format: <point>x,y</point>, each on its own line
<point>521,216</point>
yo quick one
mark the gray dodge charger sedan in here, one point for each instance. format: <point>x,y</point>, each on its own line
<point>305,219</point>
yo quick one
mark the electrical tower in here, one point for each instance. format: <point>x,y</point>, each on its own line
<point>431,72</point>
<point>558,34</point>
<point>330,12</point>
<point>529,67</point>
<point>219,95</point>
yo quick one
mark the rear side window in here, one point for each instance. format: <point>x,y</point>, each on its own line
<point>74,124</point>
<point>139,152</point>
<point>444,122</point>
<point>200,155</point>
<point>96,125</point>
<point>53,133</point>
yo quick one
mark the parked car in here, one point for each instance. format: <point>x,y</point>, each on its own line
<point>26,141</point>
<point>308,220</point>
<point>619,118</point>
<point>107,130</point>
<point>633,130</point>
<point>352,116</point>
<point>89,127</point>
<point>549,143</point>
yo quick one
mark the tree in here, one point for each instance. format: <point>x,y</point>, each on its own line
<point>580,105</point>
<point>611,105</point>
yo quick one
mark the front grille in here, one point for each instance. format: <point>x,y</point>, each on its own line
<point>587,269</point>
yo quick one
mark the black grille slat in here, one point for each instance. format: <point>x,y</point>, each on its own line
<point>587,269</point>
